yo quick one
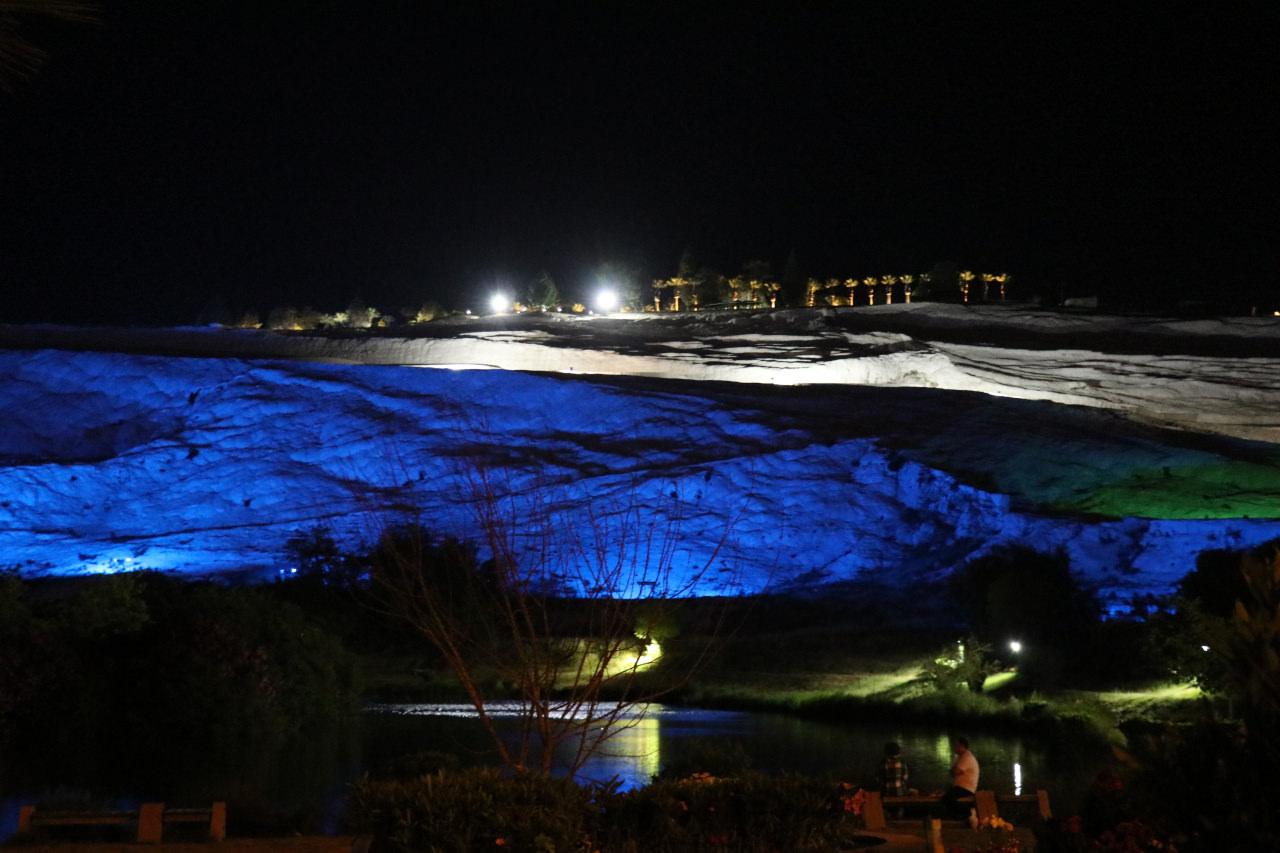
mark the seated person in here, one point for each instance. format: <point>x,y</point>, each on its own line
<point>964,781</point>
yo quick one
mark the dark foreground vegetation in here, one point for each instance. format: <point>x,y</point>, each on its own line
<point>478,809</point>
<point>97,671</point>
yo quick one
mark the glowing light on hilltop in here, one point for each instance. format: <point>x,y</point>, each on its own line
<point>499,302</point>
<point>606,300</point>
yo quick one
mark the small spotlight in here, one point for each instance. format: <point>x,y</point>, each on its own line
<point>499,303</point>
<point>1204,648</point>
<point>1015,646</point>
<point>606,300</point>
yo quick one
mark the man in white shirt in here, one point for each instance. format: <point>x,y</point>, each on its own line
<point>964,781</point>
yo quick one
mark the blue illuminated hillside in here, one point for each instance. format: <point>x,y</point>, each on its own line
<point>206,465</point>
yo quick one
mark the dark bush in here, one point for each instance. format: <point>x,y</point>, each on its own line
<point>750,812</point>
<point>483,809</point>
<point>146,658</point>
<point>472,810</point>
<point>1020,594</point>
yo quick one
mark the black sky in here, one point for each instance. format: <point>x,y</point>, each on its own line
<point>307,152</point>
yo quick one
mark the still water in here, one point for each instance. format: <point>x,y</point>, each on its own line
<point>773,742</point>
<point>303,784</point>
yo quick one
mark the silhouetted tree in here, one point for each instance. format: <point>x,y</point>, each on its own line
<point>793,281</point>
<point>578,684</point>
<point>1017,593</point>
<point>542,292</point>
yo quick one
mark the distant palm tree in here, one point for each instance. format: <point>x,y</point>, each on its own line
<point>19,58</point>
<point>832,287</point>
<point>1002,279</point>
<point>852,284</point>
<point>987,279</point>
<point>811,292</point>
<point>870,282</point>
<point>771,288</point>
<point>965,277</point>
<point>888,281</point>
<point>659,285</point>
<point>907,279</point>
<point>676,285</point>
<point>679,285</point>
<point>737,286</point>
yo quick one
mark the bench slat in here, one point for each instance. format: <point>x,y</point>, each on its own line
<point>40,819</point>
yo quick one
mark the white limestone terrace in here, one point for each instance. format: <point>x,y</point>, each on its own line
<point>1205,375</point>
<point>834,447</point>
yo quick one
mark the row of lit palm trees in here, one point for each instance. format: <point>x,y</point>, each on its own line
<point>834,291</point>
<point>831,291</point>
<point>680,293</point>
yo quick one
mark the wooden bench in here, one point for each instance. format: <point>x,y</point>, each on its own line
<point>985,802</point>
<point>150,819</point>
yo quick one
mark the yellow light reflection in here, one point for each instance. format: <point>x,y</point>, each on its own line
<point>639,744</point>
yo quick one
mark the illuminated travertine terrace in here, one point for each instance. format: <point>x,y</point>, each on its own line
<point>887,457</point>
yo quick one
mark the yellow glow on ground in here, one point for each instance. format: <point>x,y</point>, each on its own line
<point>1158,701</point>
<point>625,662</point>
<point>650,655</point>
<point>869,684</point>
<point>999,680</point>
<point>1167,693</point>
<point>622,663</point>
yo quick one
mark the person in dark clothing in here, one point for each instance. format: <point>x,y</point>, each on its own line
<point>892,775</point>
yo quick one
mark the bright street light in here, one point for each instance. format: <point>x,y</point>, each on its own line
<point>606,300</point>
<point>1015,646</point>
<point>499,303</point>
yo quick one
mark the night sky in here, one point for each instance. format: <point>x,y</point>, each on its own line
<point>273,152</point>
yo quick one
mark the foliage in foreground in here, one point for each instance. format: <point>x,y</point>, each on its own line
<point>483,809</point>
<point>1216,780</point>
<point>142,658</point>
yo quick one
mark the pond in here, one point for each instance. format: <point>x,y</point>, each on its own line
<point>303,783</point>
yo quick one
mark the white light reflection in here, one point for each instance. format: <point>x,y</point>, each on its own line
<point>1017,778</point>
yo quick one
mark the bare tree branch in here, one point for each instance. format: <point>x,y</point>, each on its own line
<point>19,57</point>
<point>553,609</point>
